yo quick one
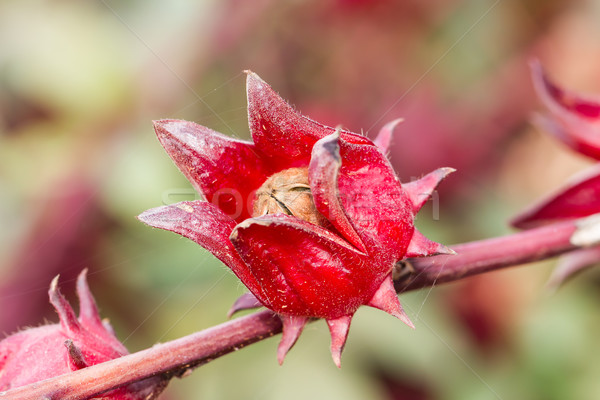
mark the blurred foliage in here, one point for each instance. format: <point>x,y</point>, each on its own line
<point>80,82</point>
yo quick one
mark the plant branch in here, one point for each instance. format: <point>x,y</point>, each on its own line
<point>178,356</point>
<point>168,359</point>
<point>481,256</point>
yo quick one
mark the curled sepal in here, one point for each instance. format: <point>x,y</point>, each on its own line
<point>384,137</point>
<point>68,319</point>
<point>292,328</point>
<point>318,284</point>
<point>208,226</point>
<point>386,299</point>
<point>420,190</point>
<point>580,197</point>
<point>574,119</point>
<point>247,301</point>
<point>216,165</point>
<point>338,328</point>
<point>323,173</point>
<point>572,264</point>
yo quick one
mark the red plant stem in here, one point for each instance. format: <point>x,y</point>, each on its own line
<point>175,357</point>
<point>171,358</point>
<point>481,256</point>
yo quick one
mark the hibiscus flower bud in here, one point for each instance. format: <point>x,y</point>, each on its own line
<point>35,354</point>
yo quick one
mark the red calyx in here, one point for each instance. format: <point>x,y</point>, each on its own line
<point>35,354</point>
<point>296,268</point>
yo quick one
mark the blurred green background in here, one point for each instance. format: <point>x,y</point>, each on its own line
<point>80,82</point>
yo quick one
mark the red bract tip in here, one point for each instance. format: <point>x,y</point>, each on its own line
<point>578,198</point>
<point>574,118</point>
<point>384,137</point>
<point>310,218</point>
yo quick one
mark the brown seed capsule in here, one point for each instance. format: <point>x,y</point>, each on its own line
<point>288,192</point>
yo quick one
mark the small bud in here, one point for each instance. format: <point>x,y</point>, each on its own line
<point>35,354</point>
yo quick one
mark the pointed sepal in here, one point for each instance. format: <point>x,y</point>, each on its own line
<point>384,137</point>
<point>88,310</point>
<point>421,246</point>
<point>338,328</point>
<point>386,299</point>
<point>68,319</point>
<point>247,301</point>
<point>292,328</point>
<point>420,191</point>
<point>216,165</point>
<point>207,225</point>
<point>572,264</point>
<point>89,317</point>
<point>277,129</point>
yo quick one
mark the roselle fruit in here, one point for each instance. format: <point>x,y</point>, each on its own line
<point>35,354</point>
<point>310,218</point>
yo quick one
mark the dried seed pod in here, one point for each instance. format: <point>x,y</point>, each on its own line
<point>288,192</point>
